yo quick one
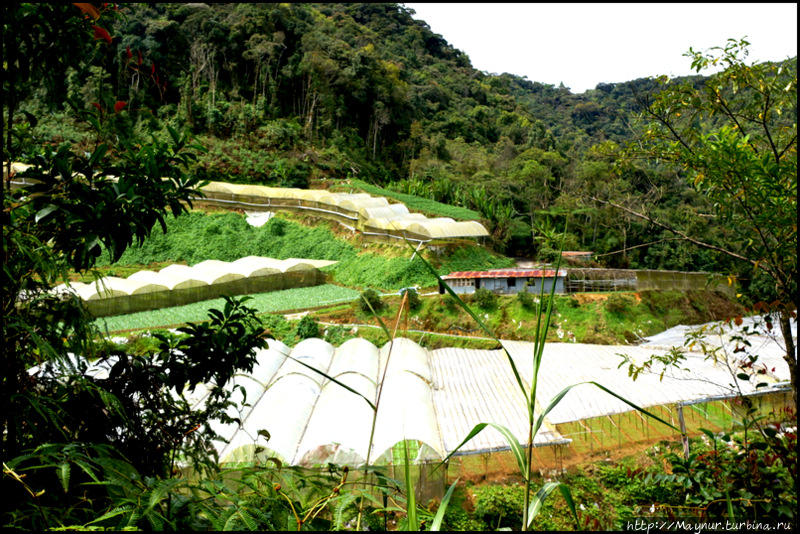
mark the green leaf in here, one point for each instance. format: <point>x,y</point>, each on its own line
<point>513,443</point>
<point>63,475</point>
<point>112,513</point>
<point>476,319</point>
<point>538,500</point>
<point>44,212</point>
<point>439,517</point>
<point>326,375</point>
<point>380,321</point>
<point>411,498</point>
<point>567,494</point>
<point>554,402</point>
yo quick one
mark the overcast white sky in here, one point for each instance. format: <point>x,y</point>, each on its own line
<point>585,44</point>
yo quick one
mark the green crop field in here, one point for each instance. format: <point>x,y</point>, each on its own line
<point>288,299</point>
<point>196,236</point>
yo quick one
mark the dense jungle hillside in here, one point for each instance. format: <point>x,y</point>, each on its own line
<point>287,94</point>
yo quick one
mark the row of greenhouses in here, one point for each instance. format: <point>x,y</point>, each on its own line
<point>180,284</point>
<point>436,397</point>
<point>315,403</point>
<point>361,211</point>
<point>370,215</point>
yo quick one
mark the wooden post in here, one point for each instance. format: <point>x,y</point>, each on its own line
<point>684,437</point>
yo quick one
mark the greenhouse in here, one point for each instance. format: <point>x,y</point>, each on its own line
<point>432,399</point>
<point>371,215</point>
<point>435,397</point>
<point>374,216</point>
<point>175,285</point>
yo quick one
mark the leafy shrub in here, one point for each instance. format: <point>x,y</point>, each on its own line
<point>337,334</point>
<point>525,300</point>
<point>618,303</point>
<point>457,519</point>
<point>276,226</point>
<point>371,301</point>
<point>499,506</point>
<point>414,302</point>
<point>291,173</point>
<point>307,327</point>
<point>485,299</point>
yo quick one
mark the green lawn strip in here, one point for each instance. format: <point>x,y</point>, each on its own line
<point>415,203</point>
<point>275,301</point>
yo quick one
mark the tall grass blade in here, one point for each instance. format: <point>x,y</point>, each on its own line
<point>326,375</point>
<point>516,448</point>
<point>477,319</point>
<point>567,494</point>
<point>439,517</point>
<point>555,400</point>
<point>380,321</point>
<point>729,503</point>
<point>411,499</point>
<point>538,500</point>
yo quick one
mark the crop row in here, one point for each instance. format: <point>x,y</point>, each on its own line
<point>275,301</point>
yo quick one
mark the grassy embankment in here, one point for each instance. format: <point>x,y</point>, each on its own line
<point>600,318</point>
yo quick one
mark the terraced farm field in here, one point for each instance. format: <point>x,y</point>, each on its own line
<point>275,301</point>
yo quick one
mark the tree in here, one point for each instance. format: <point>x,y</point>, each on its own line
<point>734,139</point>
<point>54,414</point>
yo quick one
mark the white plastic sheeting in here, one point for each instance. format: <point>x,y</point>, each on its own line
<point>312,420</point>
<point>372,212</point>
<point>438,396</point>
<point>177,276</point>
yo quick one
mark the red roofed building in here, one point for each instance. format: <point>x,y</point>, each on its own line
<point>506,281</point>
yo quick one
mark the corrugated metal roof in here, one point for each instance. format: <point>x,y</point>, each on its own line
<point>507,273</point>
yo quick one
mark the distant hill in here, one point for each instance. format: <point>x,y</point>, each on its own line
<point>283,94</point>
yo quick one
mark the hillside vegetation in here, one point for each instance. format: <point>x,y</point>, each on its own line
<point>285,93</point>
<point>196,236</point>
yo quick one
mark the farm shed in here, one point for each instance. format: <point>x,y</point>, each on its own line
<point>506,281</point>
<point>180,284</point>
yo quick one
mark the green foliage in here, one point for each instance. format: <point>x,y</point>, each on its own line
<point>525,300</point>
<point>274,301</point>
<point>113,439</point>
<point>195,237</point>
<point>499,506</point>
<point>485,299</point>
<point>619,303</point>
<point>751,477</point>
<point>414,302</point>
<point>307,327</point>
<point>371,302</point>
